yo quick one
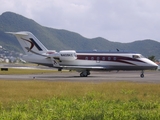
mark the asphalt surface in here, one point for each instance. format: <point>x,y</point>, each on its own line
<point>133,76</point>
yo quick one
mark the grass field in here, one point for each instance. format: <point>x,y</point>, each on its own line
<point>44,100</point>
<point>12,71</point>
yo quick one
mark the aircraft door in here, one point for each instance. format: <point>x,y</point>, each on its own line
<point>98,60</point>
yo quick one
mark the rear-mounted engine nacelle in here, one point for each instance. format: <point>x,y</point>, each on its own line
<point>67,55</point>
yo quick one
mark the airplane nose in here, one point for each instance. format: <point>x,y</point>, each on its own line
<point>154,65</point>
<point>151,64</point>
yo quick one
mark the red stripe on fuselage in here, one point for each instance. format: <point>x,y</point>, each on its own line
<point>112,58</point>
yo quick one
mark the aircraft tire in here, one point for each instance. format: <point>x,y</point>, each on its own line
<point>88,73</point>
<point>83,74</point>
<point>142,75</point>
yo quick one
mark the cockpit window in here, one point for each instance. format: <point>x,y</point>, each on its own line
<point>136,56</point>
<point>141,56</point>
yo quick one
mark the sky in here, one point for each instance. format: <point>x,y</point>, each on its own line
<point>116,20</point>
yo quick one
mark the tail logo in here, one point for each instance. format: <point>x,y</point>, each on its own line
<point>33,43</point>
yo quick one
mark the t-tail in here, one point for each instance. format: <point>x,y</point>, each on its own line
<point>29,43</point>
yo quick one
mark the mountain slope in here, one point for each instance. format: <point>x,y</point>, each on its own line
<point>62,39</point>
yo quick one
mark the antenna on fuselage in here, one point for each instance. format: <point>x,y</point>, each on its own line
<point>117,50</point>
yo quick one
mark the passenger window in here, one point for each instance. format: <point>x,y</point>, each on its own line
<point>98,58</point>
<point>103,58</point>
<point>115,58</point>
<point>86,58</point>
<point>92,58</point>
<point>109,58</point>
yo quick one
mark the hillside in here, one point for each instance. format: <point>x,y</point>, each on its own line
<point>62,39</point>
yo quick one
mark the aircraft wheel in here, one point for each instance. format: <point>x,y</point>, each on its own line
<point>88,73</point>
<point>83,74</point>
<point>142,75</point>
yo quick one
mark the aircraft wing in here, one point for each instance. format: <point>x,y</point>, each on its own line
<point>85,67</point>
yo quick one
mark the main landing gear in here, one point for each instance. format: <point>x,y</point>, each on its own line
<point>142,74</point>
<point>85,73</point>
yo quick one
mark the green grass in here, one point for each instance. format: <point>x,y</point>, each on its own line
<point>12,71</point>
<point>42,100</point>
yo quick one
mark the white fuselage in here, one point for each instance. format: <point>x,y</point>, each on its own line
<point>83,62</point>
<point>110,61</point>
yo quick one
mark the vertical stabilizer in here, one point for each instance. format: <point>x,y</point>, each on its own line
<point>29,42</point>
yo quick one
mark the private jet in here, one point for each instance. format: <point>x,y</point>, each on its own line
<point>82,62</point>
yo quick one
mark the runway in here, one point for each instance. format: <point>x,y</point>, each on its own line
<point>132,76</point>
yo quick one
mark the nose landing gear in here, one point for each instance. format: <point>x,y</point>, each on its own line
<point>142,74</point>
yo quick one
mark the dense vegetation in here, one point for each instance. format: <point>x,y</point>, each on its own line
<point>63,39</point>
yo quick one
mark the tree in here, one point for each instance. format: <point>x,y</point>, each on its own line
<point>152,58</point>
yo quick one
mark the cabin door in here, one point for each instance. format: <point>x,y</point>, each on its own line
<point>98,60</point>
